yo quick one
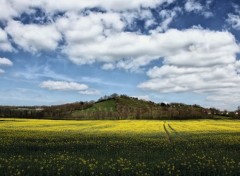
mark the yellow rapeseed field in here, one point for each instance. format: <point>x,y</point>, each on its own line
<point>123,147</point>
<point>120,126</point>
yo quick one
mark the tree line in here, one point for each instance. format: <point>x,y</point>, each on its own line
<point>125,108</point>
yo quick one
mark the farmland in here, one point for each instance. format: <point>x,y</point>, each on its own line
<point>119,147</point>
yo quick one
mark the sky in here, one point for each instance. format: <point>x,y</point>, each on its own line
<point>54,52</point>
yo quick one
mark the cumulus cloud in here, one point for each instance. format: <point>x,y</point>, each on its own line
<point>89,92</point>
<point>192,5</point>
<point>144,15</point>
<point>217,84</point>
<point>34,37</point>
<point>14,8</point>
<point>82,30</point>
<point>234,18</point>
<point>234,21</point>
<point>63,86</point>
<point>117,5</point>
<point>68,86</point>
<point>5,45</point>
<point>108,66</point>
<point>7,11</point>
<point>226,98</point>
<point>76,26</point>
<point>130,50</point>
<point>5,61</point>
<point>183,79</point>
<point>203,64</point>
<point>196,7</point>
<point>194,60</point>
<point>167,17</point>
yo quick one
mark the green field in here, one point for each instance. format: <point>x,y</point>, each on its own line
<point>126,147</point>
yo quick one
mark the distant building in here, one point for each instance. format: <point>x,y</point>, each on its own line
<point>30,109</point>
<point>23,109</point>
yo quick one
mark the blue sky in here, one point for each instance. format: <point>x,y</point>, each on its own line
<point>160,50</point>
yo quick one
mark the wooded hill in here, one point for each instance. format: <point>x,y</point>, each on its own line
<point>115,107</point>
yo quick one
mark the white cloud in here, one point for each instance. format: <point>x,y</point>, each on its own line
<point>196,7</point>
<point>7,11</point>
<point>108,66</point>
<point>5,61</point>
<point>207,14</point>
<point>14,8</point>
<point>167,17</point>
<point>194,60</point>
<point>191,79</point>
<point>234,21</point>
<point>5,45</point>
<point>117,5</point>
<point>90,28</point>
<point>89,92</point>
<point>76,29</point>
<point>63,86</point>
<point>218,83</point>
<point>201,61</point>
<point>69,86</point>
<point>134,4</point>
<point>193,47</point>
<point>192,5</point>
<point>81,31</point>
<point>34,37</point>
<point>145,15</point>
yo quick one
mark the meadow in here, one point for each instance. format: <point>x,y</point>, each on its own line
<point>119,147</point>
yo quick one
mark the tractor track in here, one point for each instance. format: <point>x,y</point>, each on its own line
<point>167,134</point>
<point>171,133</point>
<point>172,129</point>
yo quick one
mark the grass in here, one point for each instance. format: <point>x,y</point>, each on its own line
<point>106,105</point>
<point>109,105</point>
<point>127,147</point>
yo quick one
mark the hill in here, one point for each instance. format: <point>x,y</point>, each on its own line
<point>115,107</point>
<point>125,107</point>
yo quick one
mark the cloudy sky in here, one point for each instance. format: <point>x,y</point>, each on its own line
<point>53,52</point>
